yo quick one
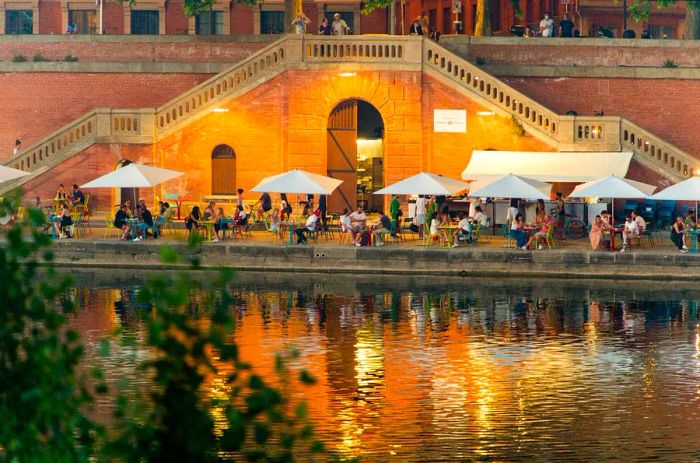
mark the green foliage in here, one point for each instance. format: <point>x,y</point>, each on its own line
<point>40,394</point>
<point>70,58</point>
<point>19,59</point>
<point>669,63</point>
<point>39,58</point>
<point>639,10</point>
<point>517,126</point>
<point>480,61</point>
<point>194,7</point>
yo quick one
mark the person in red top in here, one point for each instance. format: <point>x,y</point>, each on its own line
<point>547,222</point>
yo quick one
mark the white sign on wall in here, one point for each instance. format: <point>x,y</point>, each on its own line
<point>450,120</point>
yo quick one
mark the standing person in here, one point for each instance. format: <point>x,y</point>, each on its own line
<point>512,212</point>
<point>547,26</point>
<point>300,23</point>
<point>323,208</point>
<point>18,147</point>
<point>325,28</point>
<point>416,28</point>
<point>394,209</point>
<point>561,216</point>
<point>239,199</point>
<point>566,27</point>
<point>473,204</point>
<point>419,219</point>
<point>285,207</point>
<point>596,233</point>
<point>339,26</point>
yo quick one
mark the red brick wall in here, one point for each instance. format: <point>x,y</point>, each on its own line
<point>113,22</point>
<point>50,17</point>
<point>241,19</point>
<point>81,168</point>
<point>175,20</point>
<point>36,104</point>
<point>666,107</point>
<point>375,22</point>
<point>133,50</point>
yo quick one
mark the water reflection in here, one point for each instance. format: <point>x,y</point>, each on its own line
<point>482,370</point>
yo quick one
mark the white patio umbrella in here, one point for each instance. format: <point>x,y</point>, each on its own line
<point>8,173</point>
<point>298,182</point>
<point>613,187</point>
<point>511,186</point>
<point>687,190</point>
<point>133,176</point>
<point>425,183</point>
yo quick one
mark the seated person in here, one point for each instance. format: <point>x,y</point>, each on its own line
<point>192,221</point>
<point>61,194</point>
<point>120,219</point>
<point>77,197</point>
<point>384,228</point>
<point>434,230</point>
<point>464,230</point>
<point>66,222</point>
<point>547,223</point>
<point>596,233</point>
<point>480,217</point>
<point>678,234</point>
<point>276,223</point>
<point>690,219</point>
<point>265,202</point>
<point>310,227</point>
<point>241,218</point>
<point>517,232</point>
<point>630,230</point>
<point>641,223</point>
<point>358,219</point>
<point>346,224</point>
<point>219,225</point>
<point>146,222</point>
<point>210,211</point>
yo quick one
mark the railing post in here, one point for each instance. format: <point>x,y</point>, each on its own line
<point>294,48</point>
<point>103,123</point>
<point>147,123</point>
<point>566,131</point>
<point>613,134</point>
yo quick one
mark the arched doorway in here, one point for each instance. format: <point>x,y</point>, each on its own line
<point>223,170</point>
<point>355,137</point>
<point>124,193</point>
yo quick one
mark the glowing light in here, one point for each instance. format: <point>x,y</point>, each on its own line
<point>219,110</point>
<point>347,74</point>
<point>485,113</point>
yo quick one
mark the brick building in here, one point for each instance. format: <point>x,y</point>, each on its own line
<point>159,17</point>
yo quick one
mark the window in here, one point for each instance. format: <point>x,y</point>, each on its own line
<point>210,23</point>
<point>18,22</point>
<point>144,22</point>
<point>223,170</point>
<point>346,16</point>
<point>85,21</point>
<point>272,22</point>
<point>660,32</point>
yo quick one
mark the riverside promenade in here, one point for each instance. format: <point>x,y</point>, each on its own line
<point>572,259</point>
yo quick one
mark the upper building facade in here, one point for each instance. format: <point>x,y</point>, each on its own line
<point>159,17</point>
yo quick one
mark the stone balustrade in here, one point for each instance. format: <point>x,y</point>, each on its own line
<point>104,125</point>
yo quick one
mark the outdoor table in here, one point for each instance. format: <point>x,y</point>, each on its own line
<point>694,233</point>
<point>449,232</point>
<point>225,223</point>
<point>133,223</point>
<point>290,226</point>
<point>613,231</point>
<point>209,227</point>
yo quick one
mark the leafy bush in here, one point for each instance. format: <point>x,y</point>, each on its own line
<point>70,58</point>
<point>19,59</point>
<point>669,63</point>
<point>480,61</point>
<point>39,58</point>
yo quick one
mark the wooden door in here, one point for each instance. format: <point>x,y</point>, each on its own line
<point>342,155</point>
<point>223,171</point>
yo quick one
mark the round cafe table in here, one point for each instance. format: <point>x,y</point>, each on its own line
<point>449,230</point>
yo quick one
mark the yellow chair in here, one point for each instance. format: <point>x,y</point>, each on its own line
<point>109,227</point>
<point>548,239</point>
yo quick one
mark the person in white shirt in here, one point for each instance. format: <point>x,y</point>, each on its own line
<point>631,230</point>
<point>480,217</point>
<point>18,147</point>
<point>310,227</point>
<point>358,218</point>
<point>464,231</point>
<point>419,219</point>
<point>346,224</point>
<point>512,212</point>
<point>641,223</point>
<point>473,204</point>
<point>547,26</point>
<point>339,26</point>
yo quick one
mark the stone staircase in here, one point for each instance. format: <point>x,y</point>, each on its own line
<point>353,53</point>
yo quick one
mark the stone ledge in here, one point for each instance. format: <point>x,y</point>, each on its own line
<point>88,38</point>
<point>415,261</point>
<point>121,67</point>
<point>627,72</point>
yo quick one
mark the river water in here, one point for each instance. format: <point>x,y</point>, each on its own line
<point>423,370</point>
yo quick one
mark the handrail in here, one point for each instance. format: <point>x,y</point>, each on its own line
<point>104,125</point>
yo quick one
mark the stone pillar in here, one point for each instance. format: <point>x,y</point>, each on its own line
<point>64,17</point>
<point>2,18</point>
<point>35,17</point>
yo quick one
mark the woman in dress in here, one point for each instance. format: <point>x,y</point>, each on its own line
<point>596,233</point>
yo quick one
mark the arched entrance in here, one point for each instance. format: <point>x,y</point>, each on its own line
<point>122,194</point>
<point>223,170</point>
<point>355,137</point>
